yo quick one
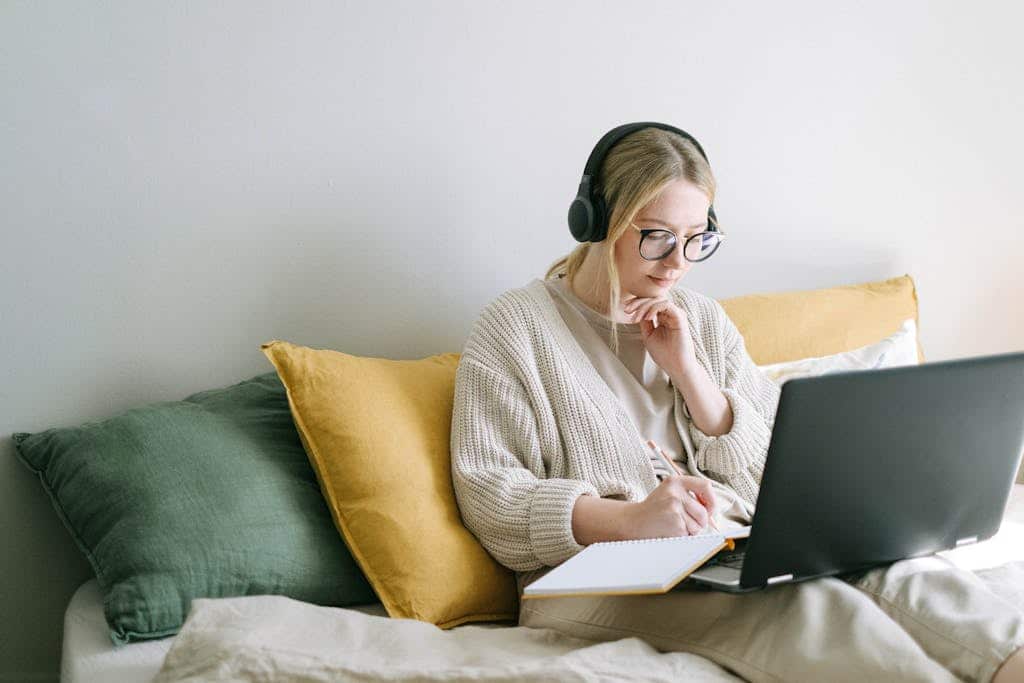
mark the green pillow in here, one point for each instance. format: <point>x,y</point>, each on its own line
<point>212,496</point>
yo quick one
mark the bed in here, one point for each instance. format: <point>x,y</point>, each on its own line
<point>250,429</point>
<point>90,657</point>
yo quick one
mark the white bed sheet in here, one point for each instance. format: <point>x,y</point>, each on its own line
<point>89,656</point>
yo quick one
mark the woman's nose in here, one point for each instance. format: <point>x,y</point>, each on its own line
<point>675,260</point>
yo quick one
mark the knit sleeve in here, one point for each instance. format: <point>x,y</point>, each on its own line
<point>520,516</point>
<point>753,397</point>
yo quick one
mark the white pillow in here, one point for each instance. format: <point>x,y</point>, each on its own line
<point>899,348</point>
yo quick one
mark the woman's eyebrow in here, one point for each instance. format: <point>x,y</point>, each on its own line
<point>702,224</point>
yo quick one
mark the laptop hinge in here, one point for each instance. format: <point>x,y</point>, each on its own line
<point>780,578</point>
<point>965,541</point>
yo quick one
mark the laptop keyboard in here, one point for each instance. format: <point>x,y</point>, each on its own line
<point>732,559</point>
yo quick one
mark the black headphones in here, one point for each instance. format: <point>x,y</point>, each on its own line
<point>588,218</point>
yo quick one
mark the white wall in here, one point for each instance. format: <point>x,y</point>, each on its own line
<point>180,182</point>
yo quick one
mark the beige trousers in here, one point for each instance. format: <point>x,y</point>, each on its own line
<point>920,619</point>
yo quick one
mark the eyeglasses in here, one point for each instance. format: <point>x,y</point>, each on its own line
<point>656,244</point>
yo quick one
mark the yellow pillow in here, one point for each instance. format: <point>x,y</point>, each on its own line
<point>377,433</point>
<point>787,326</point>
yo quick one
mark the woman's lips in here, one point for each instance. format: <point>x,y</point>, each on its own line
<point>660,281</point>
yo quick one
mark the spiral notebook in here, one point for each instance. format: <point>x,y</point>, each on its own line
<point>647,565</point>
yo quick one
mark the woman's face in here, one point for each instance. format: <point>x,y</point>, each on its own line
<point>682,207</point>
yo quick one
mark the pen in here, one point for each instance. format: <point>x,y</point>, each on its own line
<point>674,467</point>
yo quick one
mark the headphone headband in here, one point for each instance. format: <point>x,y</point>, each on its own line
<point>588,219</point>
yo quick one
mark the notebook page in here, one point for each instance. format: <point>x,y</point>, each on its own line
<point>650,565</point>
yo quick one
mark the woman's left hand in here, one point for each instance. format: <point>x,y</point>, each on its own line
<point>670,343</point>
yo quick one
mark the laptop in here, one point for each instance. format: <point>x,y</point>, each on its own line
<point>866,467</point>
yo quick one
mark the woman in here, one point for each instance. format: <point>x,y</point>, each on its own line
<point>563,382</point>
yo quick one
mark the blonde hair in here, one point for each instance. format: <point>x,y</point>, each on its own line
<point>635,171</point>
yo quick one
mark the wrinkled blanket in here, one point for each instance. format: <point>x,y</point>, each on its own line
<point>274,638</point>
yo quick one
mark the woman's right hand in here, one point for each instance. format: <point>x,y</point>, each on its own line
<point>670,510</point>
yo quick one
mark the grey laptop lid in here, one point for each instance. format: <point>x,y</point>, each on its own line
<point>867,467</point>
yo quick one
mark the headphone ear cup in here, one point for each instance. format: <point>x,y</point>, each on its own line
<point>581,218</point>
<point>600,222</point>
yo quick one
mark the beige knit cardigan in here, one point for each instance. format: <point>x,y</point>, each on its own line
<point>534,425</point>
